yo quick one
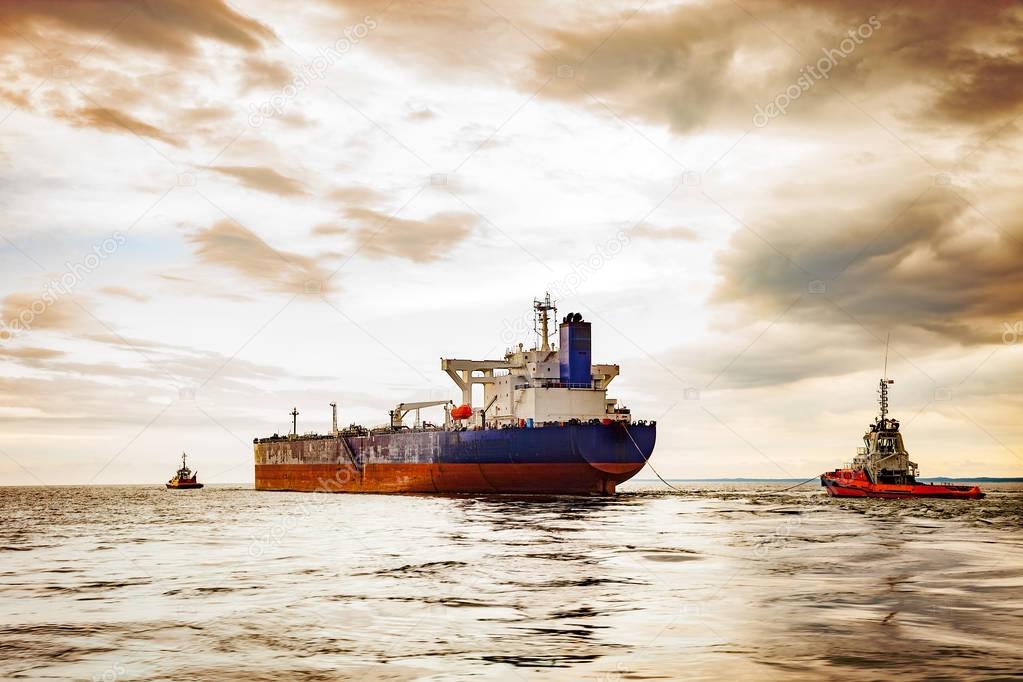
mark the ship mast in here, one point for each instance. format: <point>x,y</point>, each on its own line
<point>885,382</point>
<point>542,308</point>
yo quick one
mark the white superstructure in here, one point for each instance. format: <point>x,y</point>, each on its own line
<point>541,385</point>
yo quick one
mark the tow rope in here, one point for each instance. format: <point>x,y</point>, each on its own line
<point>647,459</point>
<point>812,478</point>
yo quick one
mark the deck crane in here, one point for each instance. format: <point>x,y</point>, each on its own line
<point>402,409</point>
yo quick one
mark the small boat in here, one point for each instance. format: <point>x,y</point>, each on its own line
<point>882,467</point>
<point>184,479</point>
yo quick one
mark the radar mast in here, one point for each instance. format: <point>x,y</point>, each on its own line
<point>885,382</point>
<point>542,309</point>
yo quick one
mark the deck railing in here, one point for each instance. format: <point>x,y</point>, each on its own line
<point>553,383</point>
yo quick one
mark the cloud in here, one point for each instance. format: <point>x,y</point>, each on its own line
<point>970,63</point>
<point>114,65</point>
<point>464,36</point>
<point>205,115</point>
<point>677,66</point>
<point>421,241</point>
<point>188,286</point>
<point>169,26</point>
<point>229,245</point>
<point>773,352</point>
<point>125,392</point>
<point>29,355</point>
<point>329,230</point>
<point>263,179</point>
<point>124,292</point>
<point>112,120</point>
<point>677,233</point>
<point>261,72</point>
<point>24,312</point>
<point>355,194</point>
<point>707,65</point>
<point>928,263</point>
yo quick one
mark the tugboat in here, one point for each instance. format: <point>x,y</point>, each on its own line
<point>882,468</point>
<point>184,479</point>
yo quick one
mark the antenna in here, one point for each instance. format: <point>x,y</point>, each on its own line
<point>885,381</point>
<point>542,308</point>
<point>884,373</point>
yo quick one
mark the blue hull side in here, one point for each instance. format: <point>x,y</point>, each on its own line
<point>591,443</point>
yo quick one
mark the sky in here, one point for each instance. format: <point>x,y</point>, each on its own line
<point>213,212</point>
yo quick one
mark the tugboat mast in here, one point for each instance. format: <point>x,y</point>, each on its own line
<point>885,382</point>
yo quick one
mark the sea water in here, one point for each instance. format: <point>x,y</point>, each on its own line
<point>717,581</point>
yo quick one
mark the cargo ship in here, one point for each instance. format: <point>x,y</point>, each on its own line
<point>882,467</point>
<point>545,426</point>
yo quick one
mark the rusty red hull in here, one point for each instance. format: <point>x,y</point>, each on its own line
<point>573,479</point>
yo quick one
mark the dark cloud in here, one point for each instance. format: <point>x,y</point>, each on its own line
<point>925,262</point>
<point>670,66</point>
<point>128,62</point>
<point>381,236</point>
<point>263,179</point>
<point>170,26</point>
<point>708,65</point>
<point>229,245</point>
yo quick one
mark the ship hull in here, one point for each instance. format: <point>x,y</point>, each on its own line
<point>184,486</point>
<point>854,484</point>
<point>575,459</point>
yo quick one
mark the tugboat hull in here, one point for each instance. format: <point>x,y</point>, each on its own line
<point>848,483</point>
<point>184,486</point>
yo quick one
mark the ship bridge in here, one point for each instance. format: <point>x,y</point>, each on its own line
<point>548,383</point>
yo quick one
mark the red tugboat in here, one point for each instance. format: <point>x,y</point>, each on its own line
<point>184,479</point>
<point>882,467</point>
